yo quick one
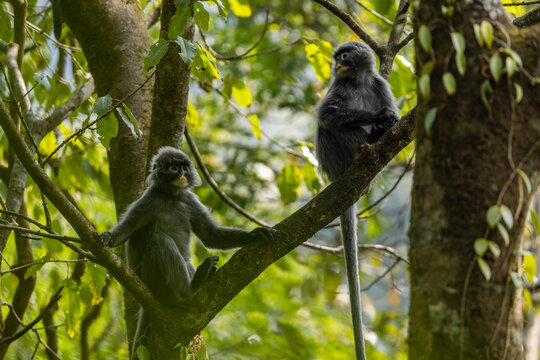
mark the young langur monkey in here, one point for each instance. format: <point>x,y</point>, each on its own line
<point>157,228</point>
<point>358,109</point>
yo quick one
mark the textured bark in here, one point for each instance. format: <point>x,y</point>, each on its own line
<point>460,171</point>
<point>171,89</point>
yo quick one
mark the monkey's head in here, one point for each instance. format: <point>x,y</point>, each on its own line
<point>353,58</point>
<point>172,170</point>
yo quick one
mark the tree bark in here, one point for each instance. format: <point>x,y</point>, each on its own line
<point>468,163</point>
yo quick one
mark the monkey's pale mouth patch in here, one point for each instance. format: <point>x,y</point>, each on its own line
<point>341,67</point>
<point>181,181</point>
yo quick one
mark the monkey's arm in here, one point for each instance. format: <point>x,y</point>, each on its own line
<point>137,215</point>
<point>216,236</point>
<point>334,116</point>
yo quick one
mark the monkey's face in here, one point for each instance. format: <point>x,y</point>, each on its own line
<point>352,58</point>
<point>172,169</point>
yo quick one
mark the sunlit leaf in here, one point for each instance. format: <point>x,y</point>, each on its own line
<point>480,246</point>
<point>458,40</point>
<point>515,56</point>
<point>311,179</point>
<point>201,16</point>
<point>142,353</point>
<point>478,35</point>
<point>70,305</point>
<point>510,66</point>
<point>525,180</point>
<point>202,352</point>
<point>529,266</point>
<point>493,215</point>
<point>487,32</point>
<point>504,233</point>
<point>98,275</point>
<point>424,86</point>
<point>449,83</point>
<point>484,268</point>
<point>519,93</point>
<point>241,93</point>
<point>496,66</point>
<point>494,248</point>
<point>319,60</point>
<point>288,181</point>
<point>461,63</point>
<point>192,116</point>
<point>48,144</point>
<point>507,216</point>
<point>128,119</point>
<point>183,353</point>
<point>240,8</point>
<point>255,125</point>
<point>107,128</point>
<point>536,221</point>
<point>424,36</point>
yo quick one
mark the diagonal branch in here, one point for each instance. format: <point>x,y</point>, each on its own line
<point>352,24</point>
<point>250,261</point>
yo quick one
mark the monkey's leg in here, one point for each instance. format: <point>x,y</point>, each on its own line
<point>204,271</point>
<point>142,326</point>
<point>350,247</point>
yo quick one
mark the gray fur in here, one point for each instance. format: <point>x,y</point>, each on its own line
<point>358,109</point>
<point>157,228</point>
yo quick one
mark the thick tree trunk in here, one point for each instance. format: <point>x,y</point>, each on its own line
<point>468,163</point>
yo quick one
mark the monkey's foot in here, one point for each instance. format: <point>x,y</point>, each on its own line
<point>266,234</point>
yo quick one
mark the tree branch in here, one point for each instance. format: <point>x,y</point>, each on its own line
<point>529,19</point>
<point>352,24</point>
<point>228,281</point>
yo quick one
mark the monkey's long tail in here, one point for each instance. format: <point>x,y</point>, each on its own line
<point>350,248</point>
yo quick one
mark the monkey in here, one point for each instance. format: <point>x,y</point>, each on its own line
<point>157,228</point>
<point>357,109</point>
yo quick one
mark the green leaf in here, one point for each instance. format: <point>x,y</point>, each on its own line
<point>528,299</point>
<point>493,215</point>
<point>536,221</point>
<point>428,68</point>
<point>458,40</point>
<point>202,352</point>
<point>98,275</point>
<point>201,16</point>
<point>319,60</point>
<point>478,35</point>
<point>424,86</point>
<point>187,49</point>
<point>480,246</point>
<point>255,125</point>
<point>525,180</point>
<point>35,268</point>
<point>484,268</point>
<point>204,66</point>
<point>429,120</point>
<point>511,66</point>
<point>485,91</point>
<point>142,353</point>
<point>311,179</point>
<point>156,53</point>
<point>70,305</point>
<point>178,23</point>
<point>449,83</point>
<point>183,353</point>
<point>504,233</point>
<point>507,216</point>
<point>424,35</point>
<point>181,4</point>
<point>519,93</point>
<point>128,119</point>
<point>461,63</point>
<point>487,32</point>
<point>529,266</point>
<point>241,93</point>
<point>515,56</point>
<point>494,248</point>
<point>192,116</point>
<point>102,105</point>
<point>240,8</point>
<point>288,182</point>
<point>496,67</point>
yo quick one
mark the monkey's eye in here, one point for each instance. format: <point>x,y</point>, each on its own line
<point>343,56</point>
<point>173,168</point>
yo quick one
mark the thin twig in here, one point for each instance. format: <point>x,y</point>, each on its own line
<point>374,13</point>
<point>338,250</point>
<point>90,124</point>
<point>54,299</point>
<point>17,268</point>
<point>380,277</point>
<point>216,187</point>
<point>30,220</point>
<point>523,3</point>
<point>39,233</point>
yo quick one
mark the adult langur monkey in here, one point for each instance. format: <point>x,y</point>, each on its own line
<point>358,108</point>
<point>157,228</point>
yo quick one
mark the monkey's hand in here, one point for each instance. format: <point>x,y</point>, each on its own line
<point>106,238</point>
<point>204,271</point>
<point>386,118</point>
<point>266,234</point>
